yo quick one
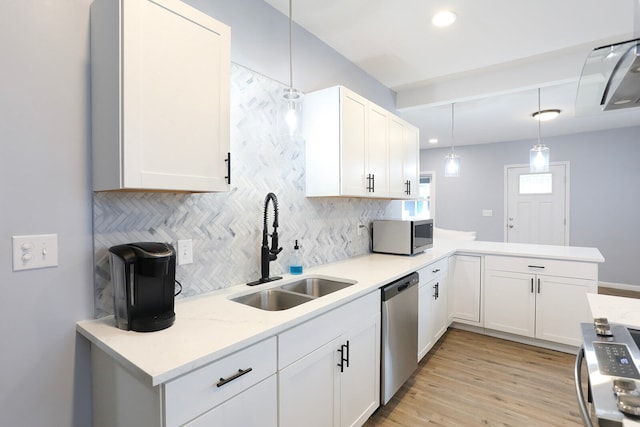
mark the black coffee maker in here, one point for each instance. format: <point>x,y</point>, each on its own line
<point>143,276</point>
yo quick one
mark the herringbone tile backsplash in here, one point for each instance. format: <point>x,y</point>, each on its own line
<point>226,228</point>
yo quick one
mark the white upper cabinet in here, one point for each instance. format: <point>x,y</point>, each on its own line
<point>404,155</point>
<point>160,97</point>
<point>348,147</point>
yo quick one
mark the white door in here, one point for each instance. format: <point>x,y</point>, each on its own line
<point>537,205</point>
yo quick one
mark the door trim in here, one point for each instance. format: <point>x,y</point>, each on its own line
<point>567,197</point>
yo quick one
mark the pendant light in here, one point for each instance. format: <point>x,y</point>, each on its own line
<point>539,154</point>
<point>290,111</point>
<point>452,160</point>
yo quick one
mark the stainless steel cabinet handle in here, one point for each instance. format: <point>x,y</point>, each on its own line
<point>237,375</point>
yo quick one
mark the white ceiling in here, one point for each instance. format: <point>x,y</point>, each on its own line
<point>489,63</point>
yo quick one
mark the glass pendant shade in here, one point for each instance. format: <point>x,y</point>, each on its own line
<point>539,154</point>
<point>539,158</point>
<point>452,160</point>
<point>290,114</point>
<point>452,165</point>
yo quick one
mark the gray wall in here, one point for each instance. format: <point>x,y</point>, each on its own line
<point>45,183</point>
<point>44,188</point>
<point>604,203</point>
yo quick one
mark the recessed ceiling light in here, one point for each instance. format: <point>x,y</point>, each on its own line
<point>546,115</point>
<point>444,18</point>
<point>433,140</point>
<point>622,101</point>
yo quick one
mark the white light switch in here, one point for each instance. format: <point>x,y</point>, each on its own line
<point>487,212</point>
<point>35,251</point>
<point>185,252</point>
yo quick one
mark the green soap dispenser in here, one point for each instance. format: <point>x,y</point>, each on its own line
<point>296,260</point>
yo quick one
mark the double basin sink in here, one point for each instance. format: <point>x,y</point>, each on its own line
<point>292,294</point>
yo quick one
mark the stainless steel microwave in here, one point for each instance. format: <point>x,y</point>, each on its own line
<point>402,237</point>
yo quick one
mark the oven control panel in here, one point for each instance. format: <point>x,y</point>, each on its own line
<point>614,359</point>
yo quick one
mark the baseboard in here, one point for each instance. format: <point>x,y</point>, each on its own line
<point>622,286</point>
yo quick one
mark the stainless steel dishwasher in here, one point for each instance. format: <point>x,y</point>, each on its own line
<point>399,334</point>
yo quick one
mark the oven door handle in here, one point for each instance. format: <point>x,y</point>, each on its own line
<point>577,374</point>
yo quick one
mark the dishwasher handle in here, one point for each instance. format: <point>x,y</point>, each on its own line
<point>399,286</point>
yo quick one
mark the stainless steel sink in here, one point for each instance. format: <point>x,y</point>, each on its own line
<point>272,299</point>
<point>315,286</point>
<point>292,294</point>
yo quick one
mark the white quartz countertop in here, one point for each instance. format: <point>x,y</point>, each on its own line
<point>210,326</point>
<point>616,309</point>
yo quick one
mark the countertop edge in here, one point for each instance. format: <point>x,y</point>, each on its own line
<point>90,328</point>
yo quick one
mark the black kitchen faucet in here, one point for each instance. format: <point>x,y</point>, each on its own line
<point>268,254</point>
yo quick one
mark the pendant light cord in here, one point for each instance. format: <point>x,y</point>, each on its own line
<point>538,116</point>
<point>452,140</point>
<point>290,45</point>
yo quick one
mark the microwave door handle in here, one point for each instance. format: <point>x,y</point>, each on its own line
<point>577,374</point>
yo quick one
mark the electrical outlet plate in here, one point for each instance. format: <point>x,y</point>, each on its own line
<point>35,251</point>
<point>185,252</point>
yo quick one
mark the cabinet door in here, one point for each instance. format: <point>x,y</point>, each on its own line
<point>404,154</point>
<point>510,302</point>
<point>426,294</point>
<point>309,389</point>
<point>360,380</point>
<point>175,97</point>
<point>439,308</point>
<point>378,151</point>
<point>397,187</point>
<point>560,308</point>
<point>353,143</point>
<point>465,289</point>
<point>256,406</point>
<point>411,159</point>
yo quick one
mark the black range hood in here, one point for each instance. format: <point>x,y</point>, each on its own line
<point>610,78</point>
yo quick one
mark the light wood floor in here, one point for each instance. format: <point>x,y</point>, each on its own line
<point>469,379</point>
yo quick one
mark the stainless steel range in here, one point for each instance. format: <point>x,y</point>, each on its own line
<point>612,358</point>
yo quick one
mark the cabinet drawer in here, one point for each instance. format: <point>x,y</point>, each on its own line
<point>433,270</point>
<point>198,391</point>
<point>301,340</point>
<point>549,267</point>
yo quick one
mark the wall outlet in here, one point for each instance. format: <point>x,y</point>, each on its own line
<point>35,251</point>
<point>185,252</point>
<point>487,212</point>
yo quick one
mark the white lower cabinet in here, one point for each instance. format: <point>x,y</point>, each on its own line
<point>257,406</point>
<point>329,371</point>
<point>465,289</point>
<point>432,306</point>
<point>543,299</point>
<point>212,395</point>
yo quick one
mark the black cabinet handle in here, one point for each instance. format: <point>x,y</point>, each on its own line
<point>370,183</point>
<point>344,361</point>
<point>436,288</point>
<point>237,375</point>
<point>228,160</point>
<point>373,182</point>
<point>435,271</point>
<point>536,266</point>
<point>538,285</point>
<point>532,285</point>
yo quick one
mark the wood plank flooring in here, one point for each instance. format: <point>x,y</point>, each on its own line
<point>469,379</point>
